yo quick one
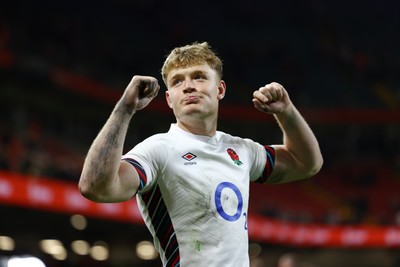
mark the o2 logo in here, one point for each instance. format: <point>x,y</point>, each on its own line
<point>220,209</point>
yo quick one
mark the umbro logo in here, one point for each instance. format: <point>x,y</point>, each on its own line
<point>189,157</point>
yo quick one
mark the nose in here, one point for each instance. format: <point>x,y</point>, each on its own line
<point>189,86</point>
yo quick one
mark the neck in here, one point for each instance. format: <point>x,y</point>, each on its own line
<point>199,127</point>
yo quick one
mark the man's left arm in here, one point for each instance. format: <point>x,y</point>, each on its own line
<point>299,156</point>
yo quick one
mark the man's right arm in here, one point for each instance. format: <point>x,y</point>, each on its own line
<point>105,178</point>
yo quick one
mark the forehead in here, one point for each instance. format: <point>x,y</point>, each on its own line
<point>203,68</point>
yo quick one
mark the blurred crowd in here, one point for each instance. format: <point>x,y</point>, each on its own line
<point>324,56</point>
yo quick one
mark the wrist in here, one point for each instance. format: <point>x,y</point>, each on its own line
<point>124,109</point>
<point>286,113</point>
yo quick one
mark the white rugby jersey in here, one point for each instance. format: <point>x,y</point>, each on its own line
<point>194,193</point>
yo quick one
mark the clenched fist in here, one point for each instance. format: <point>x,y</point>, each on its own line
<point>271,98</point>
<point>140,91</point>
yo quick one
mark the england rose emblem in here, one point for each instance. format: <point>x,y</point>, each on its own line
<point>234,156</point>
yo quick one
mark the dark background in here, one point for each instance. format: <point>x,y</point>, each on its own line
<point>339,61</point>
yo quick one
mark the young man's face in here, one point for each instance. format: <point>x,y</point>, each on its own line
<point>194,91</point>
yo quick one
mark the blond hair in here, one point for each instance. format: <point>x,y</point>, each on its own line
<point>191,55</point>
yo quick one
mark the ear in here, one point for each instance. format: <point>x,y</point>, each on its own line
<point>167,97</point>
<point>221,89</point>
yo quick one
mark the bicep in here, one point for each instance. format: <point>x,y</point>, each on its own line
<point>127,182</point>
<point>117,188</point>
<point>286,168</point>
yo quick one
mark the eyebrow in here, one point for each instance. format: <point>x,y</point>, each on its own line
<point>194,72</point>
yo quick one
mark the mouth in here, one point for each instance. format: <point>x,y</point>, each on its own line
<point>191,99</point>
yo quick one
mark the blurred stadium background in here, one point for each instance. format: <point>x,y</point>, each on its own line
<point>63,65</point>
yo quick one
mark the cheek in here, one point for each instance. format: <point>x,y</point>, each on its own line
<point>172,100</point>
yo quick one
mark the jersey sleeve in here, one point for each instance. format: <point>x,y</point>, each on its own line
<point>269,164</point>
<point>264,162</point>
<point>147,158</point>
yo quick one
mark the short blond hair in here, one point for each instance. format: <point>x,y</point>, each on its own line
<point>191,55</point>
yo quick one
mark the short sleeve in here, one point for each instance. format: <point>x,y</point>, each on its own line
<point>140,170</point>
<point>147,158</point>
<point>268,165</point>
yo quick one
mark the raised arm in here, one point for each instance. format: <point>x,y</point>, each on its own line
<point>299,156</point>
<point>105,178</point>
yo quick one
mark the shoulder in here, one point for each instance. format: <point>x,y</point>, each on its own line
<point>153,147</point>
<point>236,140</point>
<point>158,139</point>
